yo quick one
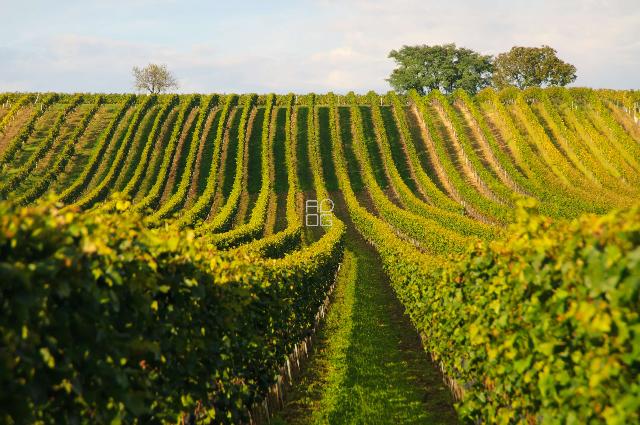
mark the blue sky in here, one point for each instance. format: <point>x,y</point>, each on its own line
<point>299,46</point>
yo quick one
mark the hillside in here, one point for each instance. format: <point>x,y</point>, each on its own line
<point>162,256</point>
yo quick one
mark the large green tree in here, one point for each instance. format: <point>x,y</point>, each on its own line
<point>444,67</point>
<point>532,67</point>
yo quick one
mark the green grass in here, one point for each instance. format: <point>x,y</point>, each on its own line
<point>305,179</point>
<point>329,173</point>
<point>347,139</point>
<point>85,147</point>
<point>421,149</point>
<point>397,152</point>
<point>40,132</point>
<point>189,128</point>
<point>369,366</point>
<point>281,185</point>
<point>254,177</point>
<point>232,149</point>
<point>207,153</point>
<point>372,146</point>
<point>115,142</point>
<point>160,146</point>
<point>69,125</point>
<point>135,153</point>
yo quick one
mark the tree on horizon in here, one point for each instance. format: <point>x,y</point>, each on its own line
<point>154,78</point>
<point>443,67</point>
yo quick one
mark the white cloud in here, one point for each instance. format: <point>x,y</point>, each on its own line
<point>330,45</point>
<point>338,54</point>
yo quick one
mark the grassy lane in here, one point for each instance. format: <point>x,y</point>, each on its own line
<point>203,164</point>
<point>302,152</point>
<point>329,173</point>
<point>84,147</point>
<point>395,144</point>
<point>372,147</point>
<point>369,366</point>
<point>280,176</point>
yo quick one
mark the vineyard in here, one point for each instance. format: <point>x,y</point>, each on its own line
<point>164,257</point>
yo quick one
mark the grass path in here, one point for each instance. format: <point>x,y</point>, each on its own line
<point>368,366</point>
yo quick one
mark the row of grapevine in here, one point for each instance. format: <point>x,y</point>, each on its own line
<point>17,142</point>
<point>201,208</point>
<point>102,188</point>
<point>429,188</point>
<point>223,218</point>
<point>488,184</point>
<point>142,167</point>
<point>428,234</point>
<point>188,299</point>
<point>141,135</point>
<point>249,182</point>
<point>255,225</point>
<point>527,361</point>
<point>11,113</point>
<point>289,239</point>
<point>446,219</point>
<point>142,334</point>
<point>584,154</point>
<point>54,170</point>
<point>153,197</point>
<point>558,198</point>
<point>82,181</point>
<point>178,198</point>
<point>486,207</point>
<point>335,233</point>
<point>18,175</point>
<point>495,156</point>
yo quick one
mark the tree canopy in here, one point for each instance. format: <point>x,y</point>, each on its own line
<point>154,78</point>
<point>444,67</point>
<point>530,67</point>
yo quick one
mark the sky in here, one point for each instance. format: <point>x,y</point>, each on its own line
<point>296,46</point>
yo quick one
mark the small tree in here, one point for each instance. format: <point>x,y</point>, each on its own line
<point>154,78</point>
<point>532,66</point>
<point>445,67</point>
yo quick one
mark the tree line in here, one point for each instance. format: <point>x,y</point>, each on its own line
<point>447,68</point>
<point>442,67</point>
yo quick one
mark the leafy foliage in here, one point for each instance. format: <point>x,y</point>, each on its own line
<point>446,68</point>
<point>108,321</point>
<point>19,104</point>
<point>154,78</point>
<point>17,142</point>
<point>532,67</point>
<point>99,192</point>
<point>57,167</point>
<point>541,326</point>
<point>23,171</point>
<point>82,181</point>
<point>151,312</point>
